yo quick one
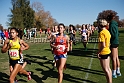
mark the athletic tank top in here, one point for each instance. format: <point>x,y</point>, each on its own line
<point>84,32</point>
<point>61,43</point>
<point>71,33</point>
<point>55,33</point>
<point>14,50</point>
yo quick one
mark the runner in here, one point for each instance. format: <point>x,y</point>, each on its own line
<point>104,50</point>
<point>1,35</point>
<point>61,47</point>
<point>26,61</point>
<point>15,59</point>
<point>40,32</point>
<point>88,27</point>
<point>84,32</point>
<point>6,33</point>
<point>53,34</point>
<point>25,33</point>
<point>72,33</point>
<point>113,29</point>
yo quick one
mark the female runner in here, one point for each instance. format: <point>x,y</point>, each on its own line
<point>13,46</point>
<point>61,47</point>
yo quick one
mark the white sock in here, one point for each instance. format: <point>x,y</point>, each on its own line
<point>113,72</point>
<point>118,70</point>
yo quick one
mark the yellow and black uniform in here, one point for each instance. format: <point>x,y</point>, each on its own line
<point>14,53</point>
<point>104,36</point>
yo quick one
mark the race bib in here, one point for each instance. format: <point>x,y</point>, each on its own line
<point>61,48</point>
<point>14,54</point>
<point>84,34</point>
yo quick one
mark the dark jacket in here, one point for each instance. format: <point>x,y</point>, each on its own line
<point>113,29</point>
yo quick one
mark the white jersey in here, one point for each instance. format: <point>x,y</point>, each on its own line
<point>84,31</point>
<point>54,33</point>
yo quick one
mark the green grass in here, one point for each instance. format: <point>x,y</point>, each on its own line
<point>77,65</point>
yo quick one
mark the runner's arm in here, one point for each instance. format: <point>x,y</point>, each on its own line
<point>49,36</point>
<point>67,42</point>
<point>26,46</point>
<point>53,41</point>
<point>74,32</point>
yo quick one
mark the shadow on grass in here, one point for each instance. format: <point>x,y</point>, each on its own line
<point>35,57</point>
<point>85,69</point>
<point>121,31</point>
<point>47,49</point>
<point>81,52</point>
<point>4,78</point>
<point>72,79</point>
<point>121,57</point>
<point>53,74</point>
<point>48,73</point>
<point>37,78</point>
<point>22,80</point>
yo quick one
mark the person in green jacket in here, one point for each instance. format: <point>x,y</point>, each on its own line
<point>114,41</point>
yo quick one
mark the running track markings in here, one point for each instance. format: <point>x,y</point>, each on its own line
<point>89,67</point>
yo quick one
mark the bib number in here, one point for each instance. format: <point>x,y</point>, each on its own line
<point>61,48</point>
<point>14,54</point>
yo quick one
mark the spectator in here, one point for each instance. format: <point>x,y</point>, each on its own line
<point>40,32</point>
<point>113,29</point>
<point>104,50</point>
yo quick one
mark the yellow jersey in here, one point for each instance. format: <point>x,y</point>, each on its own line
<point>14,50</point>
<point>104,36</point>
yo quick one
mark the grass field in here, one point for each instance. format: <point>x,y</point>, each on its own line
<point>82,66</point>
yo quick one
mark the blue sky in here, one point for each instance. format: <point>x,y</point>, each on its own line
<point>70,11</point>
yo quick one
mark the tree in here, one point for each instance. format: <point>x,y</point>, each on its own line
<point>1,27</point>
<point>121,23</point>
<point>43,18</point>
<point>78,26</point>
<point>95,24</point>
<point>22,15</point>
<point>105,13</point>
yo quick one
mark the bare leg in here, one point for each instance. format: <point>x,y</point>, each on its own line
<point>60,66</point>
<point>105,63</point>
<point>22,71</point>
<point>115,62</point>
<point>71,42</point>
<point>11,69</point>
<point>114,58</point>
<point>16,69</point>
<point>24,64</point>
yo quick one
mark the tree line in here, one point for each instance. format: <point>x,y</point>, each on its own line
<point>104,15</point>
<point>26,15</point>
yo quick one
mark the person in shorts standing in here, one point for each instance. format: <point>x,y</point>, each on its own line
<point>113,29</point>
<point>104,49</point>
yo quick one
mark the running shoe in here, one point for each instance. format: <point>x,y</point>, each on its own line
<point>114,76</point>
<point>29,76</point>
<point>118,74</point>
<point>85,49</point>
<point>53,61</point>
